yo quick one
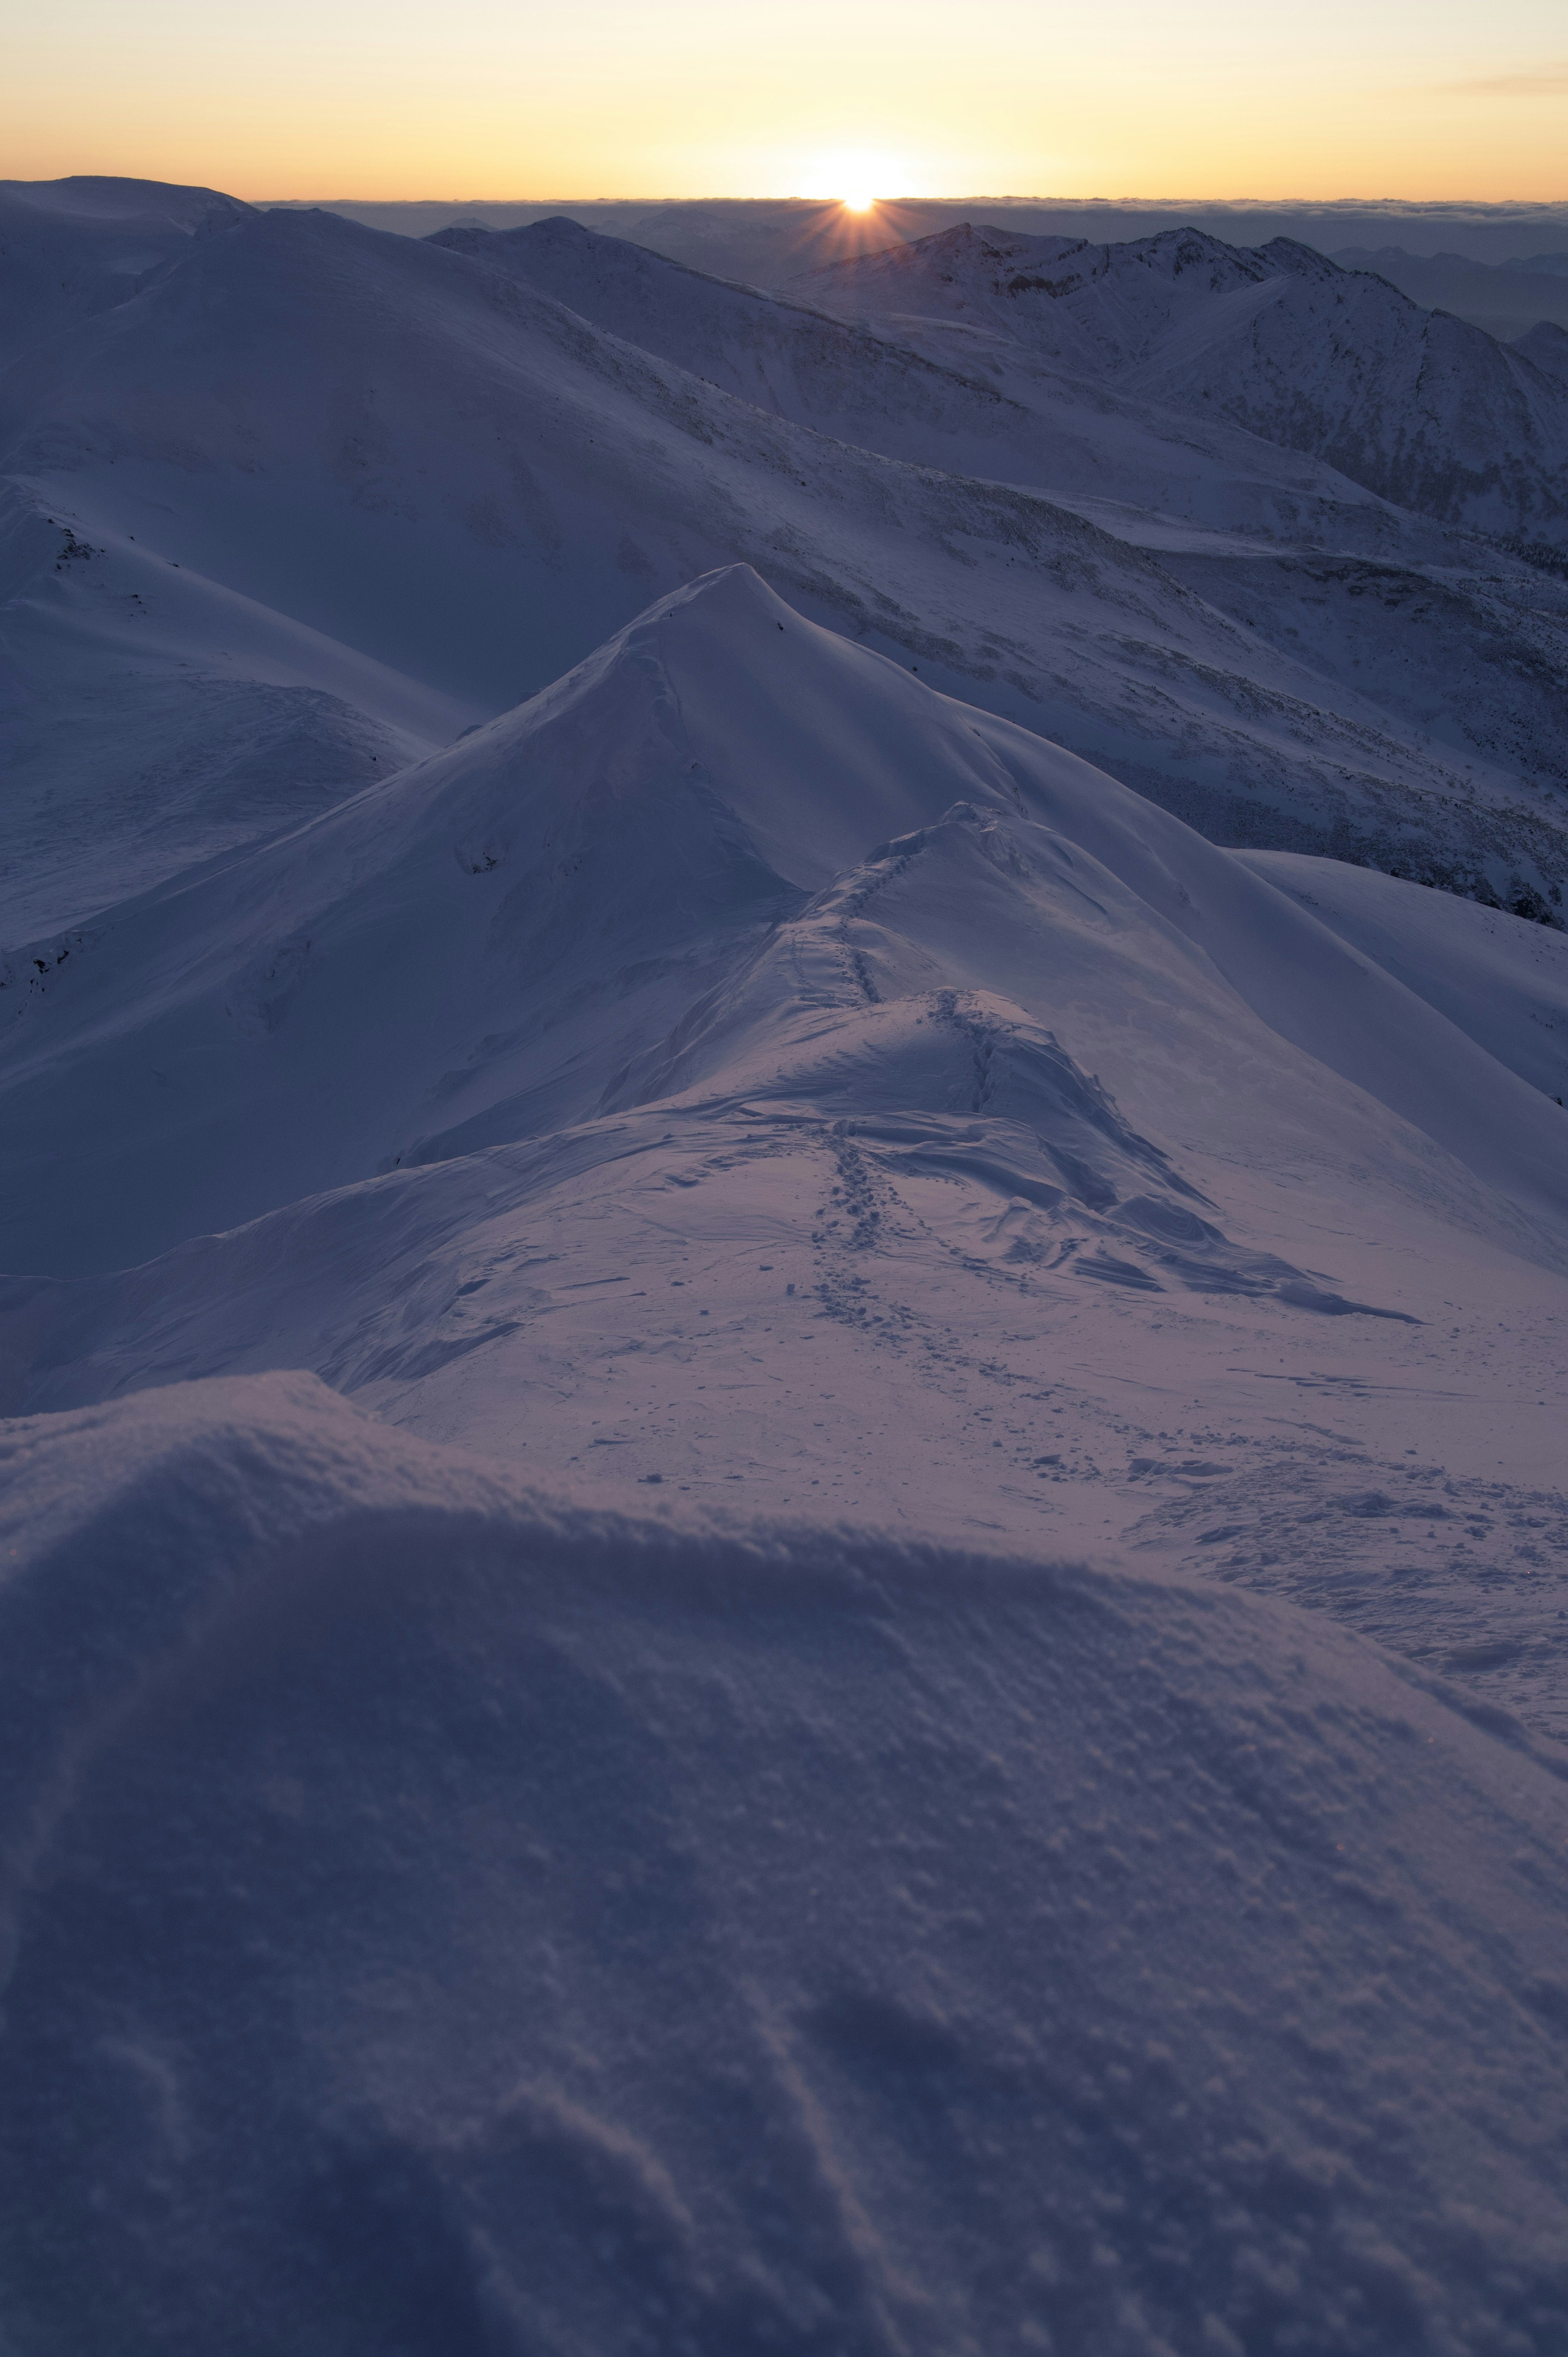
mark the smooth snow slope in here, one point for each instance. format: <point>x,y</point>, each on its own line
<point>71,248</point>
<point>440,475</point>
<point>1421,407</point>
<point>446,1922</point>
<point>150,719</point>
<point>1501,980</point>
<point>1547,346</point>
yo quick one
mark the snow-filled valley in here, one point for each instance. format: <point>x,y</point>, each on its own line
<point>785,1211</point>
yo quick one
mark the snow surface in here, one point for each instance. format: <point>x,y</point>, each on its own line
<point>781,1538</point>
<point>444,1921</point>
<point>1503,982</point>
<point>1547,345</point>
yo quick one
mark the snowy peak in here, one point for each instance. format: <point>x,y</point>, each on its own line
<point>71,248</point>
<point>455,483</point>
<point>993,265</point>
<point>821,885</point>
<point>1301,261</point>
<point>1422,408</point>
<point>773,353</point>
<point>107,209</point>
<point>1097,309</point>
<point>537,250</point>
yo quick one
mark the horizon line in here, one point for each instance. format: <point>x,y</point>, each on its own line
<point>1279,204</point>
<point>1429,204</point>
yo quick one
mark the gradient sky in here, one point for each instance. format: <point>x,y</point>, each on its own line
<point>691,98</point>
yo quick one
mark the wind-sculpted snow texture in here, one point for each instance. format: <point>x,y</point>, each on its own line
<point>446,1922</point>
<point>782,1558</point>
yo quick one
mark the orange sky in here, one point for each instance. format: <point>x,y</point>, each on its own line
<point>1389,97</point>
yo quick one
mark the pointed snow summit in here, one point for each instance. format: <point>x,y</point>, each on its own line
<point>723,828</point>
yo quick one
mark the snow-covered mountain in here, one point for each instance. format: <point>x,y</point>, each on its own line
<point>564,915</point>
<point>782,1558</point>
<point>1423,408</point>
<point>331,496</point>
<point>1048,428</point>
<point>71,248</point>
<point>742,954</point>
<point>1505,300</point>
<point>766,242</point>
<point>1546,346</point>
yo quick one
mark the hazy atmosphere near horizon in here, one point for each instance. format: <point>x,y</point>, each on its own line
<point>784,1181</point>
<point>623,97</point>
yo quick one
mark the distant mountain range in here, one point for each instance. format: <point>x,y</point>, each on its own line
<point>334,494</point>
<point>768,240</point>
<point>1457,258</point>
<point>1506,298</point>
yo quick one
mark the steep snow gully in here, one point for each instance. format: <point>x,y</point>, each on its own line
<point>783,1160</point>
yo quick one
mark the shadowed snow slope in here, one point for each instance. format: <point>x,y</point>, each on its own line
<point>686,841</point>
<point>619,1936</point>
<point>70,248</point>
<point>1503,980</point>
<point>333,496</point>
<point>774,354</point>
<point>1547,345</point>
<point>1420,406</point>
<point>1048,429</point>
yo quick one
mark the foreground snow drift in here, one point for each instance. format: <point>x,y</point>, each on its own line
<point>444,1921</point>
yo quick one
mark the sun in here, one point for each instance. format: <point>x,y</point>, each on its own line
<point>859,177</point>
